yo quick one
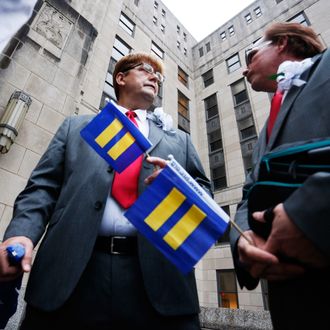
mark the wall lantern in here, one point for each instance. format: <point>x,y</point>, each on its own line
<point>12,119</point>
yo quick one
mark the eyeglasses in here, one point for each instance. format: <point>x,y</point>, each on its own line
<point>149,69</point>
<point>250,52</point>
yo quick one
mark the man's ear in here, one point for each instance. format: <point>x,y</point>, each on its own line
<point>282,44</point>
<point>120,79</point>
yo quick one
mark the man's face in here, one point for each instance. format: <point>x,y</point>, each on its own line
<point>262,62</point>
<point>141,83</point>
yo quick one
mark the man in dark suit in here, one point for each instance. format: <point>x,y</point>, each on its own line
<point>295,257</point>
<point>93,270</point>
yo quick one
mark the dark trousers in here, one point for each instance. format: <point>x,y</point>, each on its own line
<point>109,296</point>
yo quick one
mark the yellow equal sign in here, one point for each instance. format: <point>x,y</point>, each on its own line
<point>184,227</point>
<point>109,133</point>
<point>165,209</point>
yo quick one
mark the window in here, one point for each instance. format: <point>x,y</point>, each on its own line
<point>157,51</point>
<point>120,49</point>
<point>162,27</point>
<point>223,35</point>
<point>183,105</point>
<point>208,47</point>
<point>211,106</point>
<point>163,13</point>
<point>231,30</point>
<point>156,5</point>
<point>245,122</point>
<point>183,112</point>
<point>126,24</point>
<point>278,1</point>
<point>233,63</point>
<point>208,78</point>
<point>227,288</point>
<point>246,128</point>
<point>300,18</point>
<point>178,29</point>
<point>178,44</point>
<point>185,51</point>
<point>224,239</point>
<point>183,77</point>
<point>257,11</point>
<point>216,157</point>
<point>154,19</point>
<point>184,36</point>
<point>201,52</point>
<point>239,92</point>
<point>248,18</point>
<point>136,3</point>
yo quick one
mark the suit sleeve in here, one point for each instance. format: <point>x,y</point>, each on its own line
<point>309,208</point>
<point>34,205</point>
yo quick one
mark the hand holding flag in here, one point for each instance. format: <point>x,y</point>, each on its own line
<point>178,216</point>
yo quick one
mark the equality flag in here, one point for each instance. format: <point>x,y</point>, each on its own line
<point>178,216</point>
<point>115,138</point>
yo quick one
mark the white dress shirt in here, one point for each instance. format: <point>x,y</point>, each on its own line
<point>113,221</point>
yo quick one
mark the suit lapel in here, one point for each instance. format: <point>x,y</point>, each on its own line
<point>288,102</point>
<point>155,134</point>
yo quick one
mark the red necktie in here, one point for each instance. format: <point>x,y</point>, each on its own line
<point>125,184</point>
<point>274,110</point>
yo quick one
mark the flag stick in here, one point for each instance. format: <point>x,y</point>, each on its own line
<point>233,224</point>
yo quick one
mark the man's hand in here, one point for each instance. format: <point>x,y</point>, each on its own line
<point>159,164</point>
<point>8,271</point>
<point>287,240</point>
<point>261,263</point>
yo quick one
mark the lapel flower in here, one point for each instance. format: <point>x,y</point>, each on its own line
<point>289,72</point>
<point>161,119</point>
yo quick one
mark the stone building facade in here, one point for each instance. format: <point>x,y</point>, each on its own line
<point>63,59</point>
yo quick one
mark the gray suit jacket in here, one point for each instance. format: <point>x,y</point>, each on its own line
<point>304,115</point>
<point>66,195</point>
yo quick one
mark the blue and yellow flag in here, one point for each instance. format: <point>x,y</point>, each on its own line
<point>178,217</point>
<point>115,138</point>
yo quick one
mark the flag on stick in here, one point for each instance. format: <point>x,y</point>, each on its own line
<point>115,138</point>
<point>178,216</point>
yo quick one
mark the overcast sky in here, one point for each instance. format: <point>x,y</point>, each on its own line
<point>202,17</point>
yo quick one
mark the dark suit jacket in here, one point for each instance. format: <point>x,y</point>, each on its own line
<point>304,115</point>
<point>67,192</point>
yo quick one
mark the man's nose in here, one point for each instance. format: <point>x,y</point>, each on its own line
<point>245,71</point>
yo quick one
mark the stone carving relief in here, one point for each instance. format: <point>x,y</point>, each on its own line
<point>53,26</point>
<point>51,29</point>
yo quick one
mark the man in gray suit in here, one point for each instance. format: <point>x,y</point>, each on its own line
<point>93,270</point>
<point>295,257</point>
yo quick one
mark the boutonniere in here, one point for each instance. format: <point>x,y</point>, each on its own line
<point>161,119</point>
<point>288,73</point>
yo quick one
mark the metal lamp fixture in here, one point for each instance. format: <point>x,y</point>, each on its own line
<point>12,119</point>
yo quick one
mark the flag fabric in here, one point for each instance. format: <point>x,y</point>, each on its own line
<point>115,138</point>
<point>178,217</point>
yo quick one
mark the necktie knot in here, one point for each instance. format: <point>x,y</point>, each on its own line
<point>131,115</point>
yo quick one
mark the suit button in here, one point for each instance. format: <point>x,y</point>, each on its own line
<point>98,205</point>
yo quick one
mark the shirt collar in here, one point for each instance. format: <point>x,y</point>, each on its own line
<point>140,113</point>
